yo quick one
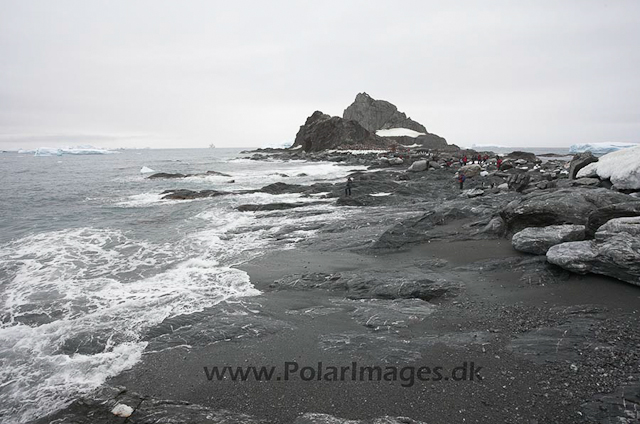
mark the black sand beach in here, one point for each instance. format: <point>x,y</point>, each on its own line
<point>541,377</point>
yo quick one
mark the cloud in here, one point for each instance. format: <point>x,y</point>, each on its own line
<point>528,73</point>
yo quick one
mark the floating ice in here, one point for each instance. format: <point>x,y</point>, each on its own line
<point>78,150</point>
<point>146,170</point>
<point>600,148</point>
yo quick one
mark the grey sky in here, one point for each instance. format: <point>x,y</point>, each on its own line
<point>248,73</point>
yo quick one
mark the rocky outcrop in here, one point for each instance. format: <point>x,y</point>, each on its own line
<point>615,252</point>
<point>184,194</point>
<point>178,175</point>
<point>376,284</point>
<point>379,114</point>
<point>274,206</point>
<point>579,161</point>
<point>538,240</point>
<point>322,132</point>
<point>563,206</point>
<point>525,156</point>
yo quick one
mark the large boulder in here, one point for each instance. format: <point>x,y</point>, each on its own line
<point>321,132</point>
<point>470,170</point>
<point>615,252</point>
<point>579,161</point>
<point>418,166</point>
<point>629,225</point>
<point>526,156</point>
<point>563,206</point>
<point>538,240</point>
<point>600,216</point>
<point>621,167</point>
<point>518,182</point>
<point>379,114</point>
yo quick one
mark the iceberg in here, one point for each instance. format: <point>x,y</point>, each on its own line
<point>77,150</point>
<point>621,167</point>
<point>599,148</point>
<point>146,170</point>
<point>48,151</point>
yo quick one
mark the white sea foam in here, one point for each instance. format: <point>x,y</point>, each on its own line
<point>143,200</point>
<point>76,303</point>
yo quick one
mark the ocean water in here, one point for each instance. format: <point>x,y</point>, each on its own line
<point>91,257</point>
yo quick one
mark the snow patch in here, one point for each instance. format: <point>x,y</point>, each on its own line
<point>379,194</point>
<point>398,132</point>
<point>622,167</point>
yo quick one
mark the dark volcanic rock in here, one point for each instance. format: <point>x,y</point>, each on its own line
<point>274,206</point>
<point>529,157</point>
<point>579,161</point>
<point>376,284</point>
<point>518,182</point>
<point>379,114</point>
<point>100,408</point>
<point>166,175</point>
<point>564,206</point>
<point>184,194</point>
<point>598,217</point>
<point>178,175</point>
<point>321,132</point>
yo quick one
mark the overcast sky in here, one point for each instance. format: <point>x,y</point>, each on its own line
<point>248,73</point>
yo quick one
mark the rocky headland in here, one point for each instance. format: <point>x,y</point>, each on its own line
<point>530,269</point>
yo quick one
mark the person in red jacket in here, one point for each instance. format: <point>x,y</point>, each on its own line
<point>464,160</point>
<point>498,161</point>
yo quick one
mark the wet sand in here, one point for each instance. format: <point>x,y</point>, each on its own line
<point>478,324</point>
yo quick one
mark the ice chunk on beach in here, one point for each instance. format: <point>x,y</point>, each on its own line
<point>621,167</point>
<point>122,410</point>
<point>600,148</point>
<point>146,170</point>
<point>398,132</point>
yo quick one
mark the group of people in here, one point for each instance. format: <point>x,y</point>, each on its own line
<point>480,159</point>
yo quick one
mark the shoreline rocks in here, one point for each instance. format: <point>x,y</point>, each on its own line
<point>538,240</point>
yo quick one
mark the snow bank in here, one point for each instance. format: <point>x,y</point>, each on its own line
<point>357,152</point>
<point>398,132</point>
<point>621,167</point>
<point>600,148</point>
